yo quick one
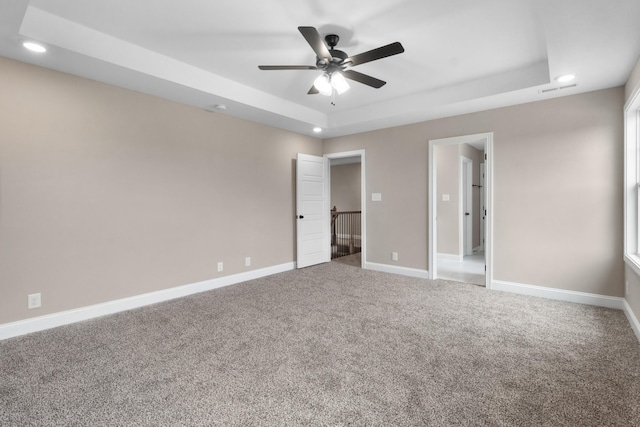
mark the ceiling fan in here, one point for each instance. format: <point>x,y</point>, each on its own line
<point>335,63</point>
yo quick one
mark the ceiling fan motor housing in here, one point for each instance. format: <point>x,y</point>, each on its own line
<point>332,40</point>
<point>337,56</point>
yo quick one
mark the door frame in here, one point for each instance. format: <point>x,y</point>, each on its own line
<point>363,195</point>
<point>433,202</point>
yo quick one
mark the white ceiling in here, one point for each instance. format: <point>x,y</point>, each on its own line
<point>460,55</point>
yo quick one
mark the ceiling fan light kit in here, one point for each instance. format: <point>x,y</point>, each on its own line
<point>325,83</point>
<point>335,63</point>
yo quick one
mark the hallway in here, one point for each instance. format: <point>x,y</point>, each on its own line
<point>469,270</point>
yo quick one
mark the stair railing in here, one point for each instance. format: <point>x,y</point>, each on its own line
<point>345,233</point>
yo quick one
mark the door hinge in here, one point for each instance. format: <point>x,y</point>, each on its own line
<point>485,157</point>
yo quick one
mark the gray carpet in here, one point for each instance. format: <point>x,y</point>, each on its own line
<point>330,345</point>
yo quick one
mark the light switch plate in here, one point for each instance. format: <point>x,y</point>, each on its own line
<point>376,197</point>
<point>445,197</point>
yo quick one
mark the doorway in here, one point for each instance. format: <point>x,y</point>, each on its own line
<point>348,197</point>
<point>459,244</point>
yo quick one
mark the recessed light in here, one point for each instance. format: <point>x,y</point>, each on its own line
<point>317,130</point>
<point>34,47</point>
<point>565,78</point>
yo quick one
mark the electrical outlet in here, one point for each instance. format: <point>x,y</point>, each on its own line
<point>394,256</point>
<point>34,300</point>
<point>220,266</point>
<point>247,261</point>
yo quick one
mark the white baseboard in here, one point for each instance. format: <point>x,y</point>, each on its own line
<point>633,320</point>
<point>49,321</point>
<point>53,320</point>
<point>559,294</point>
<point>449,257</point>
<point>404,271</point>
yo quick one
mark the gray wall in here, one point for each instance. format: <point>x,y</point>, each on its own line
<point>557,190</point>
<point>107,193</point>
<point>345,187</point>
<point>448,182</point>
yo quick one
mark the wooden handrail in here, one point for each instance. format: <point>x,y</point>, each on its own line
<point>344,212</point>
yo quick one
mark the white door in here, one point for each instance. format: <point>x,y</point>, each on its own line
<point>482,206</point>
<point>312,210</point>
<point>467,206</point>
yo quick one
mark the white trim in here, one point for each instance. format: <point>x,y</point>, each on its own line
<point>403,271</point>
<point>363,195</point>
<point>631,176</point>
<point>633,261</point>
<point>53,320</point>
<point>560,294</point>
<point>450,257</point>
<point>433,202</point>
<point>633,320</point>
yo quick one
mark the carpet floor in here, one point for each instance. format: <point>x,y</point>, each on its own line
<point>330,345</point>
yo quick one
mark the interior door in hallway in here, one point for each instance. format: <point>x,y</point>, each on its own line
<point>467,205</point>
<point>312,210</point>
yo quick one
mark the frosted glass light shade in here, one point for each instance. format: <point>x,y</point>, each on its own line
<point>323,84</point>
<point>339,83</point>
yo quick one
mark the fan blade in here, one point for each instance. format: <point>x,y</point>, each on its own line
<point>313,91</point>
<point>312,37</point>
<point>364,79</point>
<point>379,53</point>
<point>287,67</point>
